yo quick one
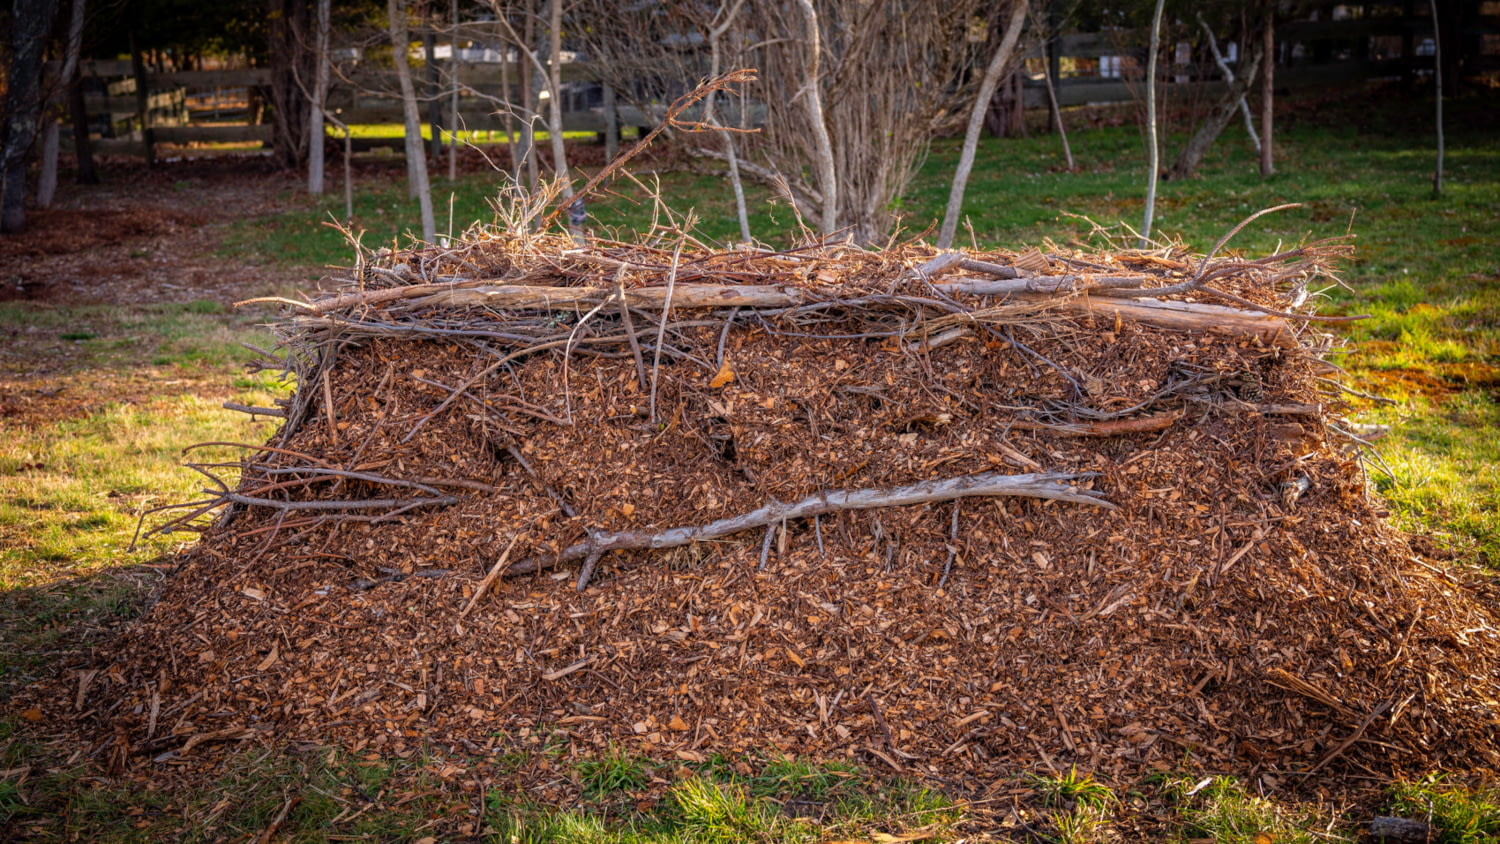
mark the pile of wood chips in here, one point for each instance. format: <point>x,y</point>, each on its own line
<point>686,501</point>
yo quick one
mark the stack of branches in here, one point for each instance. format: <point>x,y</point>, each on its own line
<point>946,510</point>
<point>511,295</point>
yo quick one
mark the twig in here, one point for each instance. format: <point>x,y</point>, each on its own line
<point>587,571</point>
<point>494,572</point>
<point>561,502</point>
<point>952,547</point>
<point>661,331</point>
<point>253,410</point>
<point>1050,485</point>
<point>1353,737</point>
<point>681,104</point>
<point>635,343</point>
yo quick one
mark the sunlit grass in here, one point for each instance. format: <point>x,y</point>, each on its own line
<point>397,131</point>
<point>1445,458</point>
<point>1459,814</point>
<point>1222,810</point>
<point>71,495</point>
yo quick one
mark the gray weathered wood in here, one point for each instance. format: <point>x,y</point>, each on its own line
<point>1401,830</point>
<point>1055,486</point>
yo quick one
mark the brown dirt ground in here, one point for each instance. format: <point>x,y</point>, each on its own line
<point>145,236</point>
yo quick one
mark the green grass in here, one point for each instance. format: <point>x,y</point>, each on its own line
<point>71,494</point>
<point>1220,809</point>
<point>397,132</point>
<point>132,387</point>
<point>612,773</point>
<point>1081,806</point>
<point>201,334</point>
<point>1459,814</point>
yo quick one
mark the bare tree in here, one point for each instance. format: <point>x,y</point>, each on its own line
<point>1209,130</point>
<point>887,72</point>
<point>1229,76</point>
<point>999,65</point>
<point>51,140</point>
<point>454,87</point>
<point>554,110</point>
<point>315,130</point>
<point>416,156</point>
<point>722,21</point>
<point>291,63</point>
<point>23,104</point>
<point>1153,154</point>
<point>811,94</point>
<point>1267,89</point>
<point>1437,70</point>
<point>1062,131</point>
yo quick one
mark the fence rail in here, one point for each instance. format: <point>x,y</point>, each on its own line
<point>179,98</point>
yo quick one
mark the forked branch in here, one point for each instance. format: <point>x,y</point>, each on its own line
<point>1055,485</point>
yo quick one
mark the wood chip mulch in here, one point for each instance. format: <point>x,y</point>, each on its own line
<point>1245,606</point>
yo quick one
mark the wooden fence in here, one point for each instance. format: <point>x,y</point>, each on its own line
<point>216,106</point>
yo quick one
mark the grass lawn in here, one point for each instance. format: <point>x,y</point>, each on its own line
<point>1427,270</point>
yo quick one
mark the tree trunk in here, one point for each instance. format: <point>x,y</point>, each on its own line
<point>528,99</point>
<point>1229,76</point>
<point>83,148</point>
<point>47,184</point>
<point>812,95</point>
<point>1153,152</point>
<point>453,95</point>
<point>1437,65</point>
<point>715,44</point>
<point>1267,90</point>
<point>416,158</point>
<point>992,74</point>
<point>143,102</point>
<point>315,132</point>
<point>292,55</point>
<point>1062,131</point>
<point>611,124</point>
<point>554,101</point>
<point>1192,155</point>
<point>434,105</point>
<point>511,140</point>
<point>30,23</point>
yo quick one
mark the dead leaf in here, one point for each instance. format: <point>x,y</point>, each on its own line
<point>724,376</point>
<point>677,724</point>
<point>253,594</point>
<point>33,714</point>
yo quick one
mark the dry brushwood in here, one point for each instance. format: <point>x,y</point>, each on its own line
<point>804,498</point>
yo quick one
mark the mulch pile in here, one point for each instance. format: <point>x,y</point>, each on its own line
<point>475,426</point>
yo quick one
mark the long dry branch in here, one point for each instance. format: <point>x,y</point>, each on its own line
<point>1053,485</point>
<point>1062,291</point>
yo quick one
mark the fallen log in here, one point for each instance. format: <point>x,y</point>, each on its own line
<point>1054,486</point>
